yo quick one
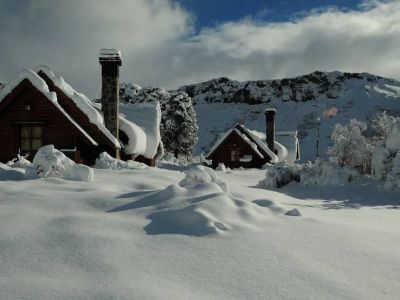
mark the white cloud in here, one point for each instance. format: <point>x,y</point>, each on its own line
<point>159,47</point>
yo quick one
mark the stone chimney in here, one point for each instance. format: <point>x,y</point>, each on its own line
<point>270,128</point>
<point>110,60</point>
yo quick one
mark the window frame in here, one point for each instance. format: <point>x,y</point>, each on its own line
<point>30,137</point>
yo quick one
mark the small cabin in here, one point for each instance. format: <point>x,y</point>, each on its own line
<point>241,147</point>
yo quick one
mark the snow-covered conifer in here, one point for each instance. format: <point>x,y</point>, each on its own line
<point>179,125</point>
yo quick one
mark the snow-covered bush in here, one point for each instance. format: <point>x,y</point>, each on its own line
<point>351,147</point>
<point>326,173</point>
<point>280,175</point>
<point>376,153</point>
<point>50,162</point>
<point>393,173</point>
<point>310,173</point>
<point>385,163</point>
<point>200,174</point>
<point>382,126</point>
<point>106,161</point>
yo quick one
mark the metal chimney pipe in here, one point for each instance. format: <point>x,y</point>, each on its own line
<point>270,128</point>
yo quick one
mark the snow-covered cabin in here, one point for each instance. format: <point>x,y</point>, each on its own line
<point>38,108</point>
<point>241,147</point>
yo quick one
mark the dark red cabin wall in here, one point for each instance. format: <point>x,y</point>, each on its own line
<point>57,128</point>
<point>223,153</point>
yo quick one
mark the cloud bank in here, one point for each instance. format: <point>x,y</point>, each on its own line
<point>160,47</point>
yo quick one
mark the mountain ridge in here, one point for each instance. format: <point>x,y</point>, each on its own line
<point>312,86</point>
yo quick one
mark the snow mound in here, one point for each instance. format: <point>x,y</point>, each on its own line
<point>10,173</point>
<point>293,213</point>
<point>199,210</point>
<point>269,204</point>
<point>221,167</point>
<point>106,161</point>
<point>50,162</point>
<point>201,174</point>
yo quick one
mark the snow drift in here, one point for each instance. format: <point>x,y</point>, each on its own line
<point>50,162</point>
<point>106,161</point>
<point>201,174</point>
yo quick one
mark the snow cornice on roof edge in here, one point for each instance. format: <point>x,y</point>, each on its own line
<point>81,101</point>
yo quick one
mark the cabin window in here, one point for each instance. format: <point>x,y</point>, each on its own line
<point>235,155</point>
<point>31,137</point>
<point>28,106</point>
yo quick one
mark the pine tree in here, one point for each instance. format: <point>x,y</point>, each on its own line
<point>179,125</point>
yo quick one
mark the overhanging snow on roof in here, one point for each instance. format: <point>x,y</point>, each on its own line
<point>146,117</point>
<point>81,101</point>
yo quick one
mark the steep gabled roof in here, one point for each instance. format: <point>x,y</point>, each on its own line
<point>259,147</point>
<point>39,84</point>
<point>84,105</point>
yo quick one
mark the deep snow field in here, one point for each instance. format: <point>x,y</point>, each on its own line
<point>137,234</point>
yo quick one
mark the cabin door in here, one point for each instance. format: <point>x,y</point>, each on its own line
<point>235,157</point>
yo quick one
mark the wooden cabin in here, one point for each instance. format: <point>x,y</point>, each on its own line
<point>38,108</point>
<point>241,147</point>
<point>31,117</point>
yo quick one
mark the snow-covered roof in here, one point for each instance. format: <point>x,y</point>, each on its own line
<point>139,118</point>
<point>286,144</point>
<point>249,142</point>
<point>257,144</point>
<point>81,101</point>
<point>263,146</point>
<point>42,87</point>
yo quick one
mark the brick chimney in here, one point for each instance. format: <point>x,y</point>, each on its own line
<point>110,60</point>
<point>270,128</point>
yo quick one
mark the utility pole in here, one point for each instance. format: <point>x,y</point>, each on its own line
<point>317,145</point>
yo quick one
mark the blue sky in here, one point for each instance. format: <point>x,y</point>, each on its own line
<point>169,45</point>
<point>210,12</point>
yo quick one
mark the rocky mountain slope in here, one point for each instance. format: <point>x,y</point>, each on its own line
<point>314,86</point>
<point>334,97</point>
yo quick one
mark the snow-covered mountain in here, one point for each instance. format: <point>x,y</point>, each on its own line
<point>314,86</point>
<point>334,97</point>
<point>1,85</point>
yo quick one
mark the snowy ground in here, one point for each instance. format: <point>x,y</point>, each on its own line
<point>129,234</point>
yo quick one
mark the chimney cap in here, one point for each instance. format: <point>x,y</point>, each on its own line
<point>267,110</point>
<point>110,55</point>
